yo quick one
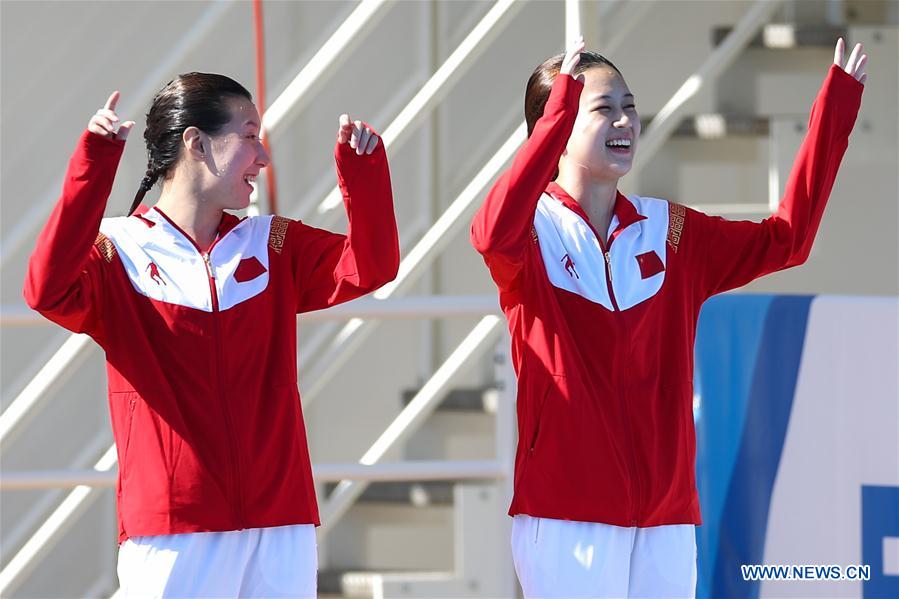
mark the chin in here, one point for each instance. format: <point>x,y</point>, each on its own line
<point>240,204</point>
<point>622,171</point>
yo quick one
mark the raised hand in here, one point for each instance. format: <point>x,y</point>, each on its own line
<point>359,135</point>
<point>855,66</point>
<point>105,121</point>
<point>572,56</point>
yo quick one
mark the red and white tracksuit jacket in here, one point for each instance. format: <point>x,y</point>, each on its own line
<point>602,336</point>
<point>201,346</point>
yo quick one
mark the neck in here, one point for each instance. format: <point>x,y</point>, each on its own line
<point>596,197</point>
<point>187,209</point>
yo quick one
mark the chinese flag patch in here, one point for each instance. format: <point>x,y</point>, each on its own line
<point>650,264</point>
<point>248,269</point>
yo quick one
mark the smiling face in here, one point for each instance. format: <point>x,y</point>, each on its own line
<point>234,157</point>
<point>604,137</point>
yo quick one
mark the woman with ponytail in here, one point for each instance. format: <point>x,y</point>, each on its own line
<point>196,311</point>
<point>602,292</point>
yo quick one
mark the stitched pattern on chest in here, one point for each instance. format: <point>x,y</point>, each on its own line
<point>105,246</point>
<point>676,214</point>
<point>277,233</point>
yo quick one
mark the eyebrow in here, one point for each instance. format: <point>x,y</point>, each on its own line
<point>607,97</point>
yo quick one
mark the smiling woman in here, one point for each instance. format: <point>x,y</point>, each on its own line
<point>602,292</point>
<point>196,311</point>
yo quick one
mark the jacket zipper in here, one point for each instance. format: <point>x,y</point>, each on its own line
<point>219,360</point>
<point>635,499</point>
<point>229,423</point>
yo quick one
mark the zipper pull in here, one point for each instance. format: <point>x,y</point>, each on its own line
<point>208,264</point>
<point>608,265</point>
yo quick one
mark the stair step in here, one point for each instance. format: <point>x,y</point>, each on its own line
<point>788,35</point>
<point>478,399</point>
<point>417,494</point>
<point>362,583</point>
<point>717,125</point>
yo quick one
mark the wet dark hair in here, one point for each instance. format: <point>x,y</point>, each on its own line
<point>190,100</point>
<point>541,81</point>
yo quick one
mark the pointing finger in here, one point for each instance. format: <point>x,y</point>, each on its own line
<point>853,59</point>
<point>111,102</point>
<point>343,133</point>
<point>860,67</point>
<point>838,53</point>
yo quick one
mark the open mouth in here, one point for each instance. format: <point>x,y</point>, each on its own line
<point>250,180</point>
<point>619,146</point>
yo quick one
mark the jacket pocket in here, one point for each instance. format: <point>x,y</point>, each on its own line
<point>529,431</point>
<point>124,405</point>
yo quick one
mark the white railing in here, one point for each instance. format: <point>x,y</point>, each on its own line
<point>437,86</point>
<point>14,536</point>
<point>413,470</point>
<point>323,63</point>
<point>46,536</point>
<point>418,306</point>
<point>29,401</point>
<point>482,337</point>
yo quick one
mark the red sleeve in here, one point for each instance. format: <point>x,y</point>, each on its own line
<point>501,228</point>
<point>333,268</point>
<point>64,277</point>
<point>736,252</point>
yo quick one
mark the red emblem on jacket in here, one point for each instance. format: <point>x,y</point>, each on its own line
<point>154,273</point>
<point>569,266</point>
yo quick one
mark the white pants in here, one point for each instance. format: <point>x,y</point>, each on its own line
<point>257,562</point>
<point>560,558</point>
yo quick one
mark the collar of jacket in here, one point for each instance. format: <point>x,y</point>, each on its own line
<point>152,216</point>
<point>624,210</point>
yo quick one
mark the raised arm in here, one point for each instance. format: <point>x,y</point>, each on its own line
<point>333,268</point>
<point>736,252</point>
<point>501,228</point>
<point>64,273</point>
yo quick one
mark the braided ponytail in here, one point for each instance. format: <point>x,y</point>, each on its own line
<point>145,185</point>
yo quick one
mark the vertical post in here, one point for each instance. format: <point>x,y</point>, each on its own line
<point>572,20</point>
<point>774,126</point>
<point>110,571</point>
<point>430,200</point>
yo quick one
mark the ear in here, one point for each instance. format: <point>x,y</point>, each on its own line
<point>196,143</point>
